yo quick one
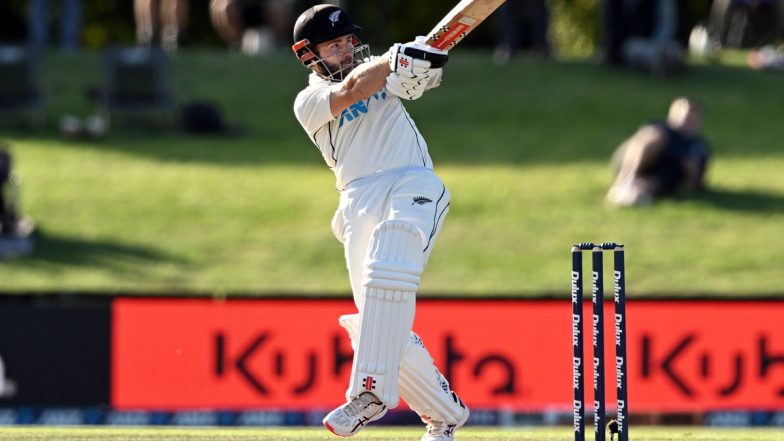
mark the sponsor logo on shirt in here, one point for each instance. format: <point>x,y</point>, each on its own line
<point>359,108</point>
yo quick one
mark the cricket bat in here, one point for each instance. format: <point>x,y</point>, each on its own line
<point>458,23</point>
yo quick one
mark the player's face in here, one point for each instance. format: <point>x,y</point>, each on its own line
<point>338,53</point>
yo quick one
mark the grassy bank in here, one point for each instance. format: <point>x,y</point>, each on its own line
<point>522,148</point>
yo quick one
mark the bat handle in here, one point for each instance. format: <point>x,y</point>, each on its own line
<point>436,60</point>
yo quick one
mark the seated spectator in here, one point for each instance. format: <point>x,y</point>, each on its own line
<point>255,27</point>
<point>15,231</point>
<point>642,35</point>
<point>767,58</point>
<point>662,158</point>
<point>522,25</point>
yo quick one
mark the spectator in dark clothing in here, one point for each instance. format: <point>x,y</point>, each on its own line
<point>16,231</point>
<point>522,24</point>
<point>12,223</point>
<point>8,216</point>
<point>662,158</point>
<point>253,26</point>
<point>642,34</point>
<point>38,14</point>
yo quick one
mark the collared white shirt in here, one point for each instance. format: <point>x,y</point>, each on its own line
<point>372,136</point>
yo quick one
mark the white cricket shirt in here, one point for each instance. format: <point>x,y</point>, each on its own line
<point>371,136</point>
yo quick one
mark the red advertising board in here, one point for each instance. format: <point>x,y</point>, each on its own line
<point>683,356</point>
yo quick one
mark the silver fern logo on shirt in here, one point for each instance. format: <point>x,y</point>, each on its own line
<point>421,200</point>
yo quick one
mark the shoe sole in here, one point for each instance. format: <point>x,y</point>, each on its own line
<point>332,429</point>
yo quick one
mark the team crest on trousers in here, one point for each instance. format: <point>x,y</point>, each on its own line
<point>421,200</point>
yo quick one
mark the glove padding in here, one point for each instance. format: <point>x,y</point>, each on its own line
<point>411,89</point>
<point>435,78</point>
<point>404,87</point>
<point>413,58</point>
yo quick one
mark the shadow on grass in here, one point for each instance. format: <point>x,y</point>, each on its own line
<point>749,201</point>
<point>68,251</point>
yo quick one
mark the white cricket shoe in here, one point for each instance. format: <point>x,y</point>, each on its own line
<point>439,431</point>
<point>349,418</point>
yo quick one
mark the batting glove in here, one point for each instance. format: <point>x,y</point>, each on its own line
<point>406,65</point>
<point>411,89</point>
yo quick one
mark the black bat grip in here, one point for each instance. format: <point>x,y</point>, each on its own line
<point>436,60</point>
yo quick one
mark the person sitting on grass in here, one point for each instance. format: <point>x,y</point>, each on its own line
<point>767,58</point>
<point>662,158</point>
<point>16,231</point>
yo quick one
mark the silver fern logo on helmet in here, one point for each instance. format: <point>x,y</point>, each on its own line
<point>334,17</point>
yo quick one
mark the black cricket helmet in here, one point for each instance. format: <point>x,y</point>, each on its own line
<point>323,23</point>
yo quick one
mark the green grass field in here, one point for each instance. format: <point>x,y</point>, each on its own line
<point>468,434</point>
<point>523,149</point>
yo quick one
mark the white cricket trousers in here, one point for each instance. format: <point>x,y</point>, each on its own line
<point>414,195</point>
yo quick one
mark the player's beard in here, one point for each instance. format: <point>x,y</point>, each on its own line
<point>339,71</point>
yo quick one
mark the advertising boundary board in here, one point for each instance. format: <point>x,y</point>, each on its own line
<point>719,361</point>
<point>511,354</point>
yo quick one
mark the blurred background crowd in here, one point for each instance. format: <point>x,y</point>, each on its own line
<point>564,27</point>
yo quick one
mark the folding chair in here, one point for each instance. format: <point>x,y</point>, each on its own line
<point>136,83</point>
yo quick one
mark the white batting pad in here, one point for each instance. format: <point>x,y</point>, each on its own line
<point>425,390</point>
<point>421,384</point>
<point>394,263</point>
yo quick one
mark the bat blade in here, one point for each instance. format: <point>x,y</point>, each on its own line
<point>460,21</point>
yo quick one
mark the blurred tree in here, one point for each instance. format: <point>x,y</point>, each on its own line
<point>574,27</point>
<point>108,21</point>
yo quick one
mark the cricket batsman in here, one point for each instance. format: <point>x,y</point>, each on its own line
<point>391,210</point>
